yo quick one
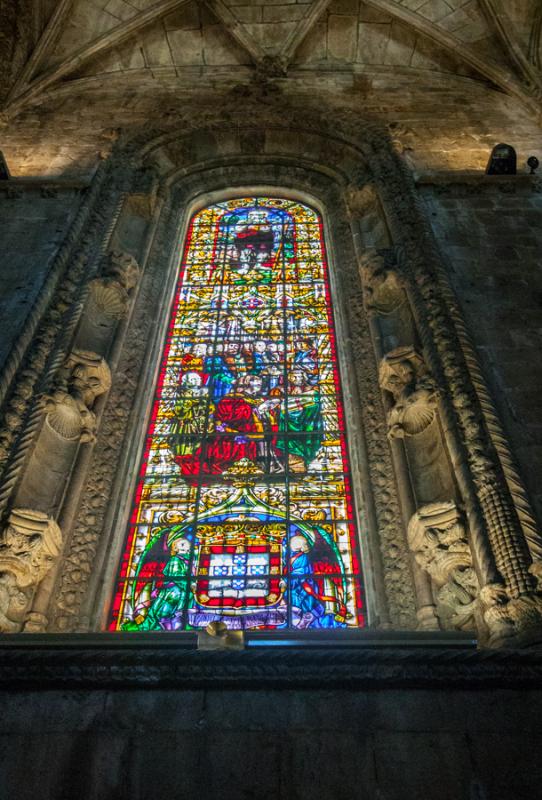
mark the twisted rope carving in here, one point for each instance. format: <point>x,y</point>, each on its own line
<point>509,466</point>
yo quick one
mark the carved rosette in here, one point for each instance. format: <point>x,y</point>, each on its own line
<point>30,544</point>
<point>403,373</point>
<point>438,539</point>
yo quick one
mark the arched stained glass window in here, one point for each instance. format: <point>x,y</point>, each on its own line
<point>243,512</point>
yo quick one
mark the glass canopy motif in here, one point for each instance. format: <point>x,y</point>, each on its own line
<point>243,511</point>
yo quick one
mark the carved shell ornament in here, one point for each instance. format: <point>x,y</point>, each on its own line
<point>413,416</point>
<point>108,297</point>
<point>69,418</point>
<point>403,374</point>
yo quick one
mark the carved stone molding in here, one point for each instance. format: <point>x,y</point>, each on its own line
<point>30,544</point>
<point>503,538</point>
<point>403,373</point>
<point>151,663</point>
<point>56,316</point>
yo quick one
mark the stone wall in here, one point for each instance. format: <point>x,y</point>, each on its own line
<point>271,744</point>
<point>489,231</point>
<point>34,225</point>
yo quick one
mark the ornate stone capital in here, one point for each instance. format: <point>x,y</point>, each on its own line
<point>29,546</point>
<point>403,373</point>
<point>87,376</point>
<point>437,537</point>
<point>383,287</point>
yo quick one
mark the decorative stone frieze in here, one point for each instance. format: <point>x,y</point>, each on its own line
<point>30,544</point>
<point>438,539</point>
<point>403,373</point>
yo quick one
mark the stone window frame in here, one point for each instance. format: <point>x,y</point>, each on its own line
<point>340,166</point>
<point>125,487</point>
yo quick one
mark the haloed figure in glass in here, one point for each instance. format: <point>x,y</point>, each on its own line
<point>244,509</point>
<point>163,607</point>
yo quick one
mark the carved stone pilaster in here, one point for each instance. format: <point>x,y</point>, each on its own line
<point>403,373</point>
<point>30,544</point>
<point>438,539</point>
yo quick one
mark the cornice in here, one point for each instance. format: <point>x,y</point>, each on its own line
<point>85,663</point>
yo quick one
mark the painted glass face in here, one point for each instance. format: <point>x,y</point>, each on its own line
<point>243,511</point>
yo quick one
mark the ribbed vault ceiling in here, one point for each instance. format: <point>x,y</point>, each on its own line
<point>69,53</point>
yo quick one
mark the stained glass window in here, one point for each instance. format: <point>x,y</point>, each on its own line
<point>243,511</point>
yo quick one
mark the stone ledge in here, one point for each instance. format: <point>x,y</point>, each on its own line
<point>50,186</point>
<point>478,181</point>
<point>156,661</point>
